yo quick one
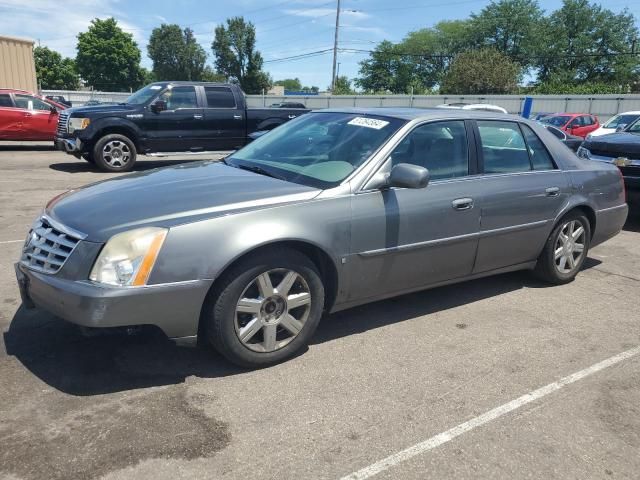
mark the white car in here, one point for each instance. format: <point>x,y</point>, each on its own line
<point>619,120</point>
<point>485,107</point>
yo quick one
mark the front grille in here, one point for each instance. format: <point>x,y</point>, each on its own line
<point>47,247</point>
<point>63,120</point>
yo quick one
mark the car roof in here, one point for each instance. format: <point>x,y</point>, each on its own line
<point>406,113</point>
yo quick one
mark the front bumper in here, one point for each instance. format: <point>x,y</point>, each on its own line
<point>69,145</point>
<point>174,307</point>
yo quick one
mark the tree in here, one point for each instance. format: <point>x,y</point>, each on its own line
<point>236,56</point>
<point>176,54</point>
<point>292,84</point>
<point>312,89</point>
<point>108,58</point>
<point>55,72</point>
<point>342,86</point>
<point>512,27</point>
<point>484,71</point>
<point>586,43</point>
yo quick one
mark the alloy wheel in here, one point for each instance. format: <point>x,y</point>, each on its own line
<point>272,310</point>
<point>569,246</point>
<point>116,153</point>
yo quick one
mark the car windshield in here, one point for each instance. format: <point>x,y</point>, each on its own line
<point>556,120</point>
<point>318,149</point>
<point>618,120</point>
<point>143,95</point>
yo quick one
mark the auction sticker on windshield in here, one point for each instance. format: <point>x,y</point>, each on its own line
<point>369,122</point>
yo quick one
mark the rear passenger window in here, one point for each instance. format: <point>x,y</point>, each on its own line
<point>220,97</point>
<point>503,148</point>
<point>5,101</point>
<point>540,158</point>
<point>440,147</point>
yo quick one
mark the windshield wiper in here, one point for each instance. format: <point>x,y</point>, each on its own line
<point>258,170</point>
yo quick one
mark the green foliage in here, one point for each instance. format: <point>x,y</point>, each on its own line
<point>236,56</point>
<point>555,87</point>
<point>208,75</point>
<point>108,58</point>
<point>176,54</point>
<point>481,71</point>
<point>292,84</point>
<point>342,86</point>
<point>55,72</point>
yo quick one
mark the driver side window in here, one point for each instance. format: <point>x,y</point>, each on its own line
<point>441,147</point>
<point>180,97</point>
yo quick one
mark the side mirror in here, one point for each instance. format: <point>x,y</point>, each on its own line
<point>621,128</point>
<point>158,106</point>
<point>406,175</point>
<point>53,109</point>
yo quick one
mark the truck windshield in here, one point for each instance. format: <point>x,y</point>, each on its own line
<point>319,149</point>
<point>143,95</point>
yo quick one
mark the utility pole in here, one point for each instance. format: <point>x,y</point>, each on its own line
<point>335,48</point>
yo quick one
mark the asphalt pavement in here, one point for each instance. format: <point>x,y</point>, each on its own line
<point>501,378</point>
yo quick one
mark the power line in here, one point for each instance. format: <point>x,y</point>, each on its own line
<point>301,56</point>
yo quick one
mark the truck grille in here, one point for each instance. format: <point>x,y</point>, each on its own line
<point>47,247</point>
<point>63,120</point>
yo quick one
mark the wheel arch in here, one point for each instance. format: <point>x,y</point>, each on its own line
<point>125,129</point>
<point>582,206</point>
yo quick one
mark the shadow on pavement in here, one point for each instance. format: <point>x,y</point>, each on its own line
<point>62,356</point>
<point>141,165</point>
<point>26,148</point>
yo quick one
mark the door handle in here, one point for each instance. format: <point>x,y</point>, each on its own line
<point>552,192</point>
<point>197,116</point>
<point>292,116</point>
<point>462,204</point>
<point>237,117</point>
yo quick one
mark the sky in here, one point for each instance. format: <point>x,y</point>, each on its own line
<point>284,28</point>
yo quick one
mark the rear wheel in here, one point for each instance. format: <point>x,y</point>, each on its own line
<point>265,309</point>
<point>566,249</point>
<point>114,153</point>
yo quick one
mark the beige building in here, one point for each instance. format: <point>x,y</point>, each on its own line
<point>17,66</point>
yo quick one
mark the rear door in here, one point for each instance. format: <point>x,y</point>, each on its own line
<point>11,119</point>
<point>224,119</point>
<point>180,127</point>
<point>40,122</point>
<point>523,191</point>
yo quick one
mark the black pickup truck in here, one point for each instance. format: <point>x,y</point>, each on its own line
<point>164,117</point>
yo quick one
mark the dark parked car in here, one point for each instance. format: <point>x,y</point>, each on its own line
<point>334,209</point>
<point>571,141</point>
<point>621,149</point>
<point>165,117</point>
<point>288,105</point>
<point>59,99</point>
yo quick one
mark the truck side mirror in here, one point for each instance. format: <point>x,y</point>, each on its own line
<point>158,106</point>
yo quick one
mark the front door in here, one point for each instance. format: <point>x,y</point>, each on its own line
<point>39,121</point>
<point>403,239</point>
<point>224,119</point>
<point>180,127</point>
<point>522,193</point>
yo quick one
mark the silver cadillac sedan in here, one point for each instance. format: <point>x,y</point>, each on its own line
<point>334,209</point>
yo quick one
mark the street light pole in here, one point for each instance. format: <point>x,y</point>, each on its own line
<point>335,48</point>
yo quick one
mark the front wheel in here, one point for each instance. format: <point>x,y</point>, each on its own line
<point>566,249</point>
<point>114,153</point>
<point>265,309</point>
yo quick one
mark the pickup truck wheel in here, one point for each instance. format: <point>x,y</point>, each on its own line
<point>114,153</point>
<point>566,249</point>
<point>265,309</point>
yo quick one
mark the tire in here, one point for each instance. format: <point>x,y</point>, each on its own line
<point>550,266</point>
<point>88,157</point>
<point>262,318</point>
<point>114,153</point>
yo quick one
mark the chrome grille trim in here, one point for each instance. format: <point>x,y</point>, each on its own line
<point>48,245</point>
<point>63,123</point>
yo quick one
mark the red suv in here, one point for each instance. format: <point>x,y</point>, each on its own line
<point>26,116</point>
<point>579,124</point>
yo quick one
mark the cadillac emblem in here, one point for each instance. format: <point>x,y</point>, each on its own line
<point>621,161</point>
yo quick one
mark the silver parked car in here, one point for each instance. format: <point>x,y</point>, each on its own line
<point>334,209</point>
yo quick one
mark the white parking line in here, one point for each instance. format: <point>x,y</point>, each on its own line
<point>11,241</point>
<point>444,437</point>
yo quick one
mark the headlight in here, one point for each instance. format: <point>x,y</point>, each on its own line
<point>583,152</point>
<point>128,258</point>
<point>78,124</point>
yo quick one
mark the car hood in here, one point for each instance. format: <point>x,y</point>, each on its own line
<point>170,196</point>
<point>616,143</point>
<point>97,110</point>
